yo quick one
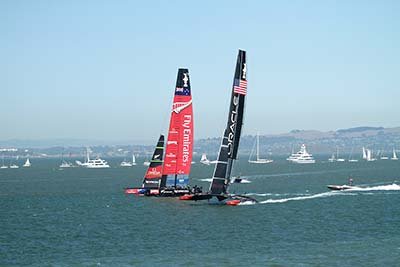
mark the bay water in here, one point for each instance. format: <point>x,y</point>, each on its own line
<point>81,217</point>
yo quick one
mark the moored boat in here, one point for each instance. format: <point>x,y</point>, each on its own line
<point>258,160</point>
<point>302,156</point>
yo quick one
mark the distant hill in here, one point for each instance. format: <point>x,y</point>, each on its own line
<point>346,140</point>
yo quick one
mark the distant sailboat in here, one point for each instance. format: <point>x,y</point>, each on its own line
<point>65,164</point>
<point>12,164</point>
<point>351,159</point>
<point>133,160</point>
<point>125,163</point>
<point>4,166</point>
<point>27,163</point>
<point>258,159</point>
<point>333,158</point>
<point>204,159</point>
<point>337,156</point>
<point>383,156</point>
<point>394,156</point>
<point>364,153</point>
<point>369,155</point>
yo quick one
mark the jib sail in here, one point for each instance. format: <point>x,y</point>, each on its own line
<point>152,179</point>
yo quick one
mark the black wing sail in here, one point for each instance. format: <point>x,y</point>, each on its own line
<point>152,179</point>
<point>230,140</point>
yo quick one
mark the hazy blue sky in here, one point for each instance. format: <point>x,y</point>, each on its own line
<point>107,69</point>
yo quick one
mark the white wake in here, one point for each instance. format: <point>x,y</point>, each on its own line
<point>282,200</point>
<point>390,187</point>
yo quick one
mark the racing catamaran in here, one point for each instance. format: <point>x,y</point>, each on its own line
<point>230,143</point>
<point>171,176</point>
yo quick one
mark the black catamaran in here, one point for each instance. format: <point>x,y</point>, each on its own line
<point>230,142</point>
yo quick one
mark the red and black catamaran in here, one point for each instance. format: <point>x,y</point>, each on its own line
<point>170,177</point>
<point>230,142</point>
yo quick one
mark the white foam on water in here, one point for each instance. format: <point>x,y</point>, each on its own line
<point>282,200</point>
<point>389,187</point>
<point>277,195</point>
<point>246,203</point>
<point>206,180</point>
<point>245,181</point>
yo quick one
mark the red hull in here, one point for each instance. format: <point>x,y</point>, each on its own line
<point>186,197</point>
<point>234,202</point>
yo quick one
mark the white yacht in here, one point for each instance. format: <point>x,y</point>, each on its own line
<point>97,163</point>
<point>301,157</point>
<point>14,166</point>
<point>258,160</point>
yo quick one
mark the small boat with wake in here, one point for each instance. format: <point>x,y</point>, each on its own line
<point>344,187</point>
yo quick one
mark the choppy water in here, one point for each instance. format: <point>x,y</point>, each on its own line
<point>80,217</point>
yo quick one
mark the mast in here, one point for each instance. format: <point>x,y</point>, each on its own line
<point>258,147</point>
<point>230,140</point>
<point>179,148</point>
<point>152,178</point>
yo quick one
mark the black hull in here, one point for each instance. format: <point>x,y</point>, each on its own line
<point>341,187</point>
<point>148,192</point>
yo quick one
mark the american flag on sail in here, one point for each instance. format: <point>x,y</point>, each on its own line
<point>240,87</point>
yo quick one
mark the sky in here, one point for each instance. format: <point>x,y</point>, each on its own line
<point>106,70</point>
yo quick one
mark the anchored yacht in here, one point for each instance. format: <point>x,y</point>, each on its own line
<point>97,163</point>
<point>301,157</point>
